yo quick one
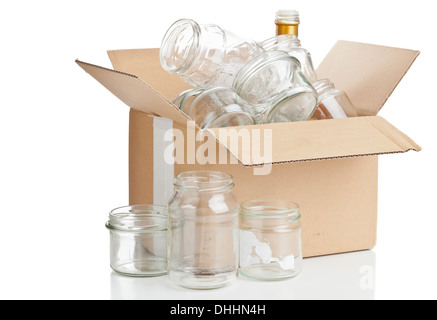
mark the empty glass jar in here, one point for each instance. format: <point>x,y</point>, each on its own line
<point>333,103</point>
<point>274,85</point>
<point>203,231</point>
<point>138,240</point>
<point>292,45</point>
<point>270,239</point>
<point>205,54</point>
<point>218,107</point>
<point>186,97</point>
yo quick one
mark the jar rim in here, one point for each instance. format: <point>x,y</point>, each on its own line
<point>272,209</point>
<point>138,218</point>
<point>170,39</point>
<point>257,64</point>
<point>204,180</point>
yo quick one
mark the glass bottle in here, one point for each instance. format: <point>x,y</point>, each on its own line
<point>333,103</point>
<point>274,86</point>
<point>270,239</point>
<point>287,22</point>
<point>205,54</point>
<point>286,39</point>
<point>203,230</point>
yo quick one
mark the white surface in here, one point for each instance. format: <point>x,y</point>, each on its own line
<point>64,144</point>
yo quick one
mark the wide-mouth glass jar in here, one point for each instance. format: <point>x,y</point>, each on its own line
<point>203,230</point>
<point>274,85</point>
<point>204,54</point>
<point>270,239</point>
<point>219,107</point>
<point>138,240</point>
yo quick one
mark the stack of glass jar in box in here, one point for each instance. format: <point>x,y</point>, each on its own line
<point>240,81</point>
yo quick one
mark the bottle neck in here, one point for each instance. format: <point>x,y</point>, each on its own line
<point>287,22</point>
<point>287,28</point>
<point>323,86</point>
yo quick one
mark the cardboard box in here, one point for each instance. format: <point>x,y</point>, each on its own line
<point>329,167</point>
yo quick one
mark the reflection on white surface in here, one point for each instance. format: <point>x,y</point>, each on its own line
<point>344,276</point>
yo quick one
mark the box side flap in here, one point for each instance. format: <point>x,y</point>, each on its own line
<point>145,64</point>
<point>134,92</point>
<point>367,73</point>
<point>314,140</point>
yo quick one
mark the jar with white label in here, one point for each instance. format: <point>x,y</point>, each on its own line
<point>270,239</point>
<point>203,231</point>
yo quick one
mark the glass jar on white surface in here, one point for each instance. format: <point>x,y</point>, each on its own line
<point>270,239</point>
<point>205,54</point>
<point>273,84</point>
<point>138,240</point>
<point>203,231</point>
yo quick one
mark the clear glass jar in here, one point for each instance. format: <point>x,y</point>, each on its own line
<point>205,54</point>
<point>274,85</point>
<point>333,103</point>
<point>292,45</point>
<point>270,239</point>
<point>186,97</point>
<point>218,107</point>
<point>138,240</point>
<point>203,231</point>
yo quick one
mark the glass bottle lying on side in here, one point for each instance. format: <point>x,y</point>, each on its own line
<point>333,103</point>
<point>205,54</point>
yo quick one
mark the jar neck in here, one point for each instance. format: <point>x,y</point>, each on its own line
<point>323,86</point>
<point>204,181</point>
<point>287,22</point>
<point>283,42</point>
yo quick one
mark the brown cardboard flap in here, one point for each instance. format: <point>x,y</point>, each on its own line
<point>317,140</point>
<point>134,92</point>
<point>367,73</point>
<point>145,64</point>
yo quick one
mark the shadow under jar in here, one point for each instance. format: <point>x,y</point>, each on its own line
<point>276,88</point>
<point>270,239</point>
<point>138,240</point>
<point>203,231</point>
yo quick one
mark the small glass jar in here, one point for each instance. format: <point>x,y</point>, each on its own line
<point>333,103</point>
<point>138,240</point>
<point>205,54</point>
<point>203,231</point>
<point>219,107</point>
<point>292,45</point>
<point>270,239</point>
<point>274,85</point>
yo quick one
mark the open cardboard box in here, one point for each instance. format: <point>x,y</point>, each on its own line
<point>329,167</point>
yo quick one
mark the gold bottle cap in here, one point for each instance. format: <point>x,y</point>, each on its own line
<point>287,22</point>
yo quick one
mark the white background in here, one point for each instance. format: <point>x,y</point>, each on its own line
<point>64,146</point>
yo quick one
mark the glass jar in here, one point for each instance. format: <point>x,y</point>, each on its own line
<point>274,85</point>
<point>138,240</point>
<point>205,54</point>
<point>203,231</point>
<point>292,45</point>
<point>333,103</point>
<point>186,97</point>
<point>270,239</point>
<point>218,107</point>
